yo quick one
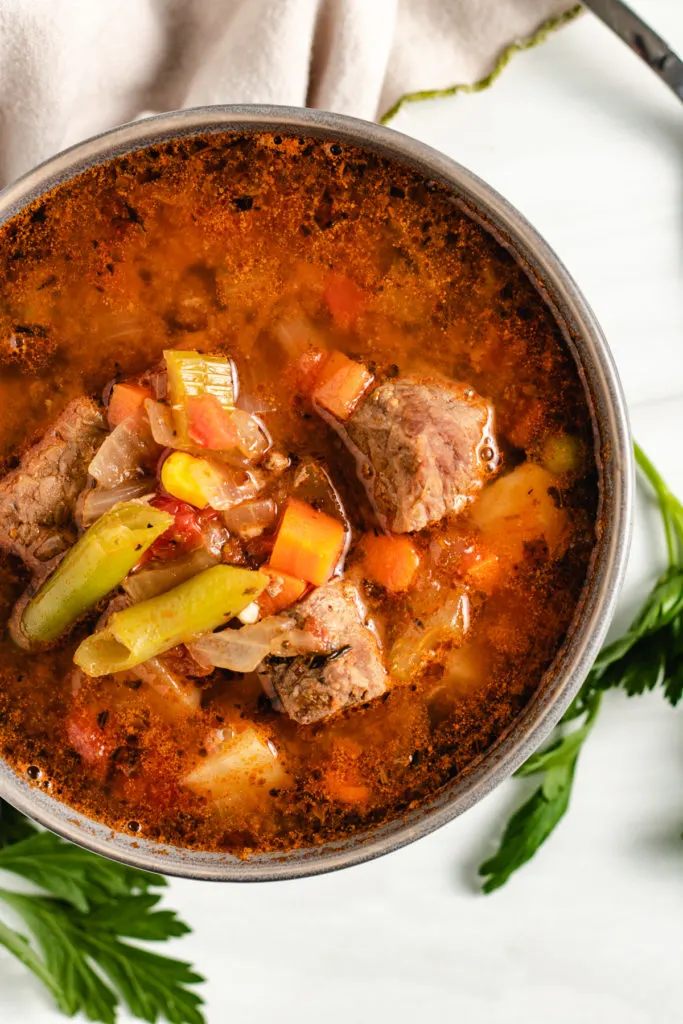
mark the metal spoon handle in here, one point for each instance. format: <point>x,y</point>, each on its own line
<point>642,39</point>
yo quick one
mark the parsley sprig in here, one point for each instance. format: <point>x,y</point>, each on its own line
<point>648,656</point>
<point>86,907</point>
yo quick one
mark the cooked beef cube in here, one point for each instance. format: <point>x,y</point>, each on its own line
<point>345,667</point>
<point>37,499</point>
<point>423,448</point>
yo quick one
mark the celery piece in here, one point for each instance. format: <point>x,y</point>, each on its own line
<point>199,605</point>
<point>97,563</point>
<point>193,373</point>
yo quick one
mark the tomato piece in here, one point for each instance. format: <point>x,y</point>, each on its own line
<point>344,299</point>
<point>185,535</point>
<point>87,732</point>
<point>210,425</point>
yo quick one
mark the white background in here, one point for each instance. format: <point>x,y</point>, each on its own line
<point>589,145</point>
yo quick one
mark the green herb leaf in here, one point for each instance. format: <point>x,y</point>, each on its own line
<point>530,826</point>
<point>75,933</point>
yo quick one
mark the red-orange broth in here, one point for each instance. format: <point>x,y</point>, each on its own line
<point>226,243</point>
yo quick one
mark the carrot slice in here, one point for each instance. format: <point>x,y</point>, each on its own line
<point>308,543</point>
<point>282,591</point>
<point>125,401</point>
<point>344,299</point>
<point>390,561</point>
<point>340,385</point>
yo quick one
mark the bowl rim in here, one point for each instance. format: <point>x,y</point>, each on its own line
<point>613,450</point>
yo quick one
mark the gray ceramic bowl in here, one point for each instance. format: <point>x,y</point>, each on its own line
<point>612,441</point>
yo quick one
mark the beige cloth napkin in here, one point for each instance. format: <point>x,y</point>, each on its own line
<point>72,68</point>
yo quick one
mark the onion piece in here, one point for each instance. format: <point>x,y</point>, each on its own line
<point>243,650</point>
<point>95,501</point>
<point>151,582</point>
<point>250,519</point>
<point>161,423</point>
<point>169,686</point>
<point>418,644</point>
<point>123,453</point>
<point>253,440</point>
<point>233,487</point>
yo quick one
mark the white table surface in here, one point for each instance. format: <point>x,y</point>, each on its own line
<point>589,145</point>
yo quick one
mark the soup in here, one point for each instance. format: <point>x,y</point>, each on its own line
<point>299,491</point>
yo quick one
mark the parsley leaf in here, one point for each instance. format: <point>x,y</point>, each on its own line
<point>76,926</point>
<point>648,656</point>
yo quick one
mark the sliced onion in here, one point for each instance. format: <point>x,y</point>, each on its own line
<point>251,519</point>
<point>418,644</point>
<point>123,453</point>
<point>150,582</point>
<point>234,487</point>
<point>161,423</point>
<point>252,438</point>
<point>159,384</point>
<point>243,650</point>
<point>169,686</point>
<point>95,501</point>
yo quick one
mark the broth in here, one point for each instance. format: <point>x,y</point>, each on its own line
<point>227,244</point>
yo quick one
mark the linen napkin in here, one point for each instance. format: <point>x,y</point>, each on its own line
<point>72,68</point>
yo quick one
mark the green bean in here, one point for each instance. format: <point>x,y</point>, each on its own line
<point>143,631</point>
<point>97,563</point>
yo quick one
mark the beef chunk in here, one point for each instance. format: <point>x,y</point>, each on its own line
<point>423,449</point>
<point>346,667</point>
<point>37,499</point>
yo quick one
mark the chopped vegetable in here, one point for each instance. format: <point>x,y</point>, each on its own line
<point>562,454</point>
<point>187,533</point>
<point>308,544</point>
<point>180,694</point>
<point>518,509</point>
<point>191,374</point>
<point>282,591</point>
<point>94,502</point>
<point>97,563</point>
<point>161,423</point>
<point>243,650</point>
<point>390,560</point>
<point>344,299</point>
<point>124,454</point>
<point>145,630</point>
<point>150,582</point>
<point>201,482</point>
<point>190,479</point>
<point>252,518</point>
<point>126,400</point>
<point>423,639</point>
<point>241,766</point>
<point>340,384</point>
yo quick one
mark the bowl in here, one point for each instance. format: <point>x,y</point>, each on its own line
<point>612,446</point>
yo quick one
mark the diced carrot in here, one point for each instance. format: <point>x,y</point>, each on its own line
<point>208,424</point>
<point>340,385</point>
<point>125,401</point>
<point>282,591</point>
<point>308,543</point>
<point>344,299</point>
<point>390,561</point>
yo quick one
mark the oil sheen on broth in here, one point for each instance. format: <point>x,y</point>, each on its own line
<point>265,249</point>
